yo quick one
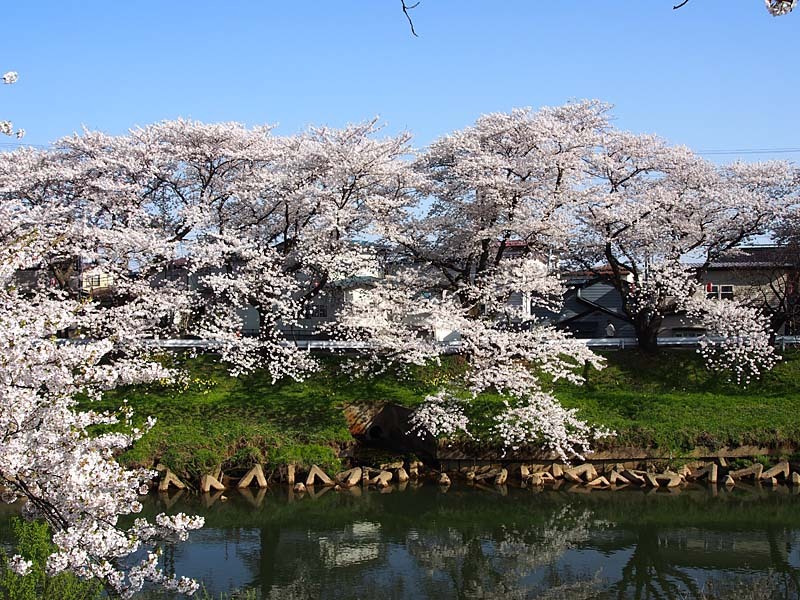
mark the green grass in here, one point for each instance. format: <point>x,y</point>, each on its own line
<point>669,402</point>
<point>672,402</point>
<point>213,419</point>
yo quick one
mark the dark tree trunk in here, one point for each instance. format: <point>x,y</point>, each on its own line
<point>777,320</point>
<point>647,326</point>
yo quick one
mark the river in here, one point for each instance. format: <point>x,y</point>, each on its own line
<point>468,542</point>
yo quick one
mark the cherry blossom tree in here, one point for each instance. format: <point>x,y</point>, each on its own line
<point>651,207</point>
<point>501,200</point>
<point>780,298</point>
<point>495,200</point>
<point>260,223</point>
<point>48,456</point>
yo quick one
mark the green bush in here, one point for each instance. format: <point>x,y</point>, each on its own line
<point>33,543</point>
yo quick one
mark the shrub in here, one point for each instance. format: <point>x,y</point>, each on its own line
<point>33,543</point>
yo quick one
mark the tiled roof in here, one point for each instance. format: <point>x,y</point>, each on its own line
<point>754,257</point>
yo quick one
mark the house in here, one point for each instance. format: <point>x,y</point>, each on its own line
<point>761,276</point>
<point>591,303</point>
<point>342,288</point>
<point>95,281</point>
<point>73,275</point>
<point>322,308</point>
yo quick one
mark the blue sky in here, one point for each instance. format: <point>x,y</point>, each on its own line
<point>715,75</point>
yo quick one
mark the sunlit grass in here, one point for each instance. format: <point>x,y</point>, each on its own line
<point>669,402</point>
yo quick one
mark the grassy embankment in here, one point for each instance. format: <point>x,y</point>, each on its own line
<point>669,402</point>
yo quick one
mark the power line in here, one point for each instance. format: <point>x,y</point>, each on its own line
<point>15,145</point>
<point>752,151</point>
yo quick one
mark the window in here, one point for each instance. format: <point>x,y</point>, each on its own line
<point>688,332</point>
<point>316,311</point>
<point>585,329</point>
<point>719,292</point>
<point>94,281</point>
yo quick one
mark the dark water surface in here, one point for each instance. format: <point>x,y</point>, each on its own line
<point>465,542</point>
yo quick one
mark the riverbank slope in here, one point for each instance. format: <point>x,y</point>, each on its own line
<point>669,403</point>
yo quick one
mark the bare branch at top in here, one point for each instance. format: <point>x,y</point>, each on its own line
<point>408,7</point>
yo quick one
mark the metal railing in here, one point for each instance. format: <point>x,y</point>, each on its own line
<point>612,343</point>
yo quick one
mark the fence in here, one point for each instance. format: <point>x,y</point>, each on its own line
<point>782,342</point>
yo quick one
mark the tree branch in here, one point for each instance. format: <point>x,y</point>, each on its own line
<point>407,8</point>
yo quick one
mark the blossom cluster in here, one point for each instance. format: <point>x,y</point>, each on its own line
<point>6,127</point>
<point>540,418</point>
<point>778,8</point>
<point>440,415</point>
<point>19,565</point>
<point>738,343</point>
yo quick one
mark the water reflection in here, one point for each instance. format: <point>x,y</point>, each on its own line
<point>462,542</point>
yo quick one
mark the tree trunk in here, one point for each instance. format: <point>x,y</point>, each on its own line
<point>776,322</point>
<point>647,326</point>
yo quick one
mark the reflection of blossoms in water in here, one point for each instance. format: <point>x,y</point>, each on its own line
<point>359,543</point>
<point>497,565</point>
<point>525,551</point>
<point>303,587</point>
<point>334,551</point>
<point>437,551</point>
